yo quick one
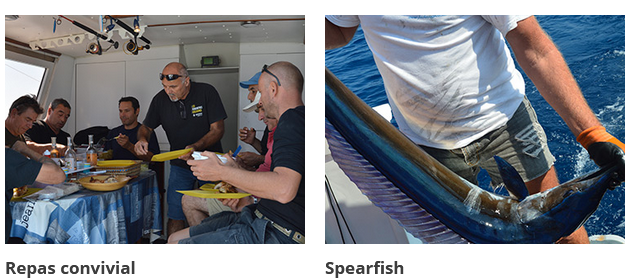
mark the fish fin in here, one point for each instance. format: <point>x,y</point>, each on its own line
<point>513,182</point>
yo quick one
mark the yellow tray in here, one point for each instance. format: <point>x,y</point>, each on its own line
<point>170,155</point>
<point>115,163</point>
<point>213,195</point>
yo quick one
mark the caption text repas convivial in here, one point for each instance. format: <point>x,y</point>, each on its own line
<point>102,268</point>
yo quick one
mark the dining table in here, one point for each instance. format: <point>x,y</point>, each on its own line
<point>124,215</point>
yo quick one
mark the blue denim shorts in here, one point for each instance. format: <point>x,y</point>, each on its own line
<point>229,227</point>
<point>179,179</point>
<point>521,142</point>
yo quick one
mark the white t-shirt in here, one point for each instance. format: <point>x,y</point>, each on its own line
<point>449,79</point>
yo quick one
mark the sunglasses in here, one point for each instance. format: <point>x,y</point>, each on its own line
<point>265,69</point>
<point>183,111</point>
<point>170,77</point>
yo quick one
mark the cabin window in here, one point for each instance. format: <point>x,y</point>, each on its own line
<point>21,79</point>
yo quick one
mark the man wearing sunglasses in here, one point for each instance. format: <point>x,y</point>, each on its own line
<point>192,115</point>
<point>279,216</point>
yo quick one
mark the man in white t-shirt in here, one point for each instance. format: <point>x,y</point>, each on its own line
<point>455,91</point>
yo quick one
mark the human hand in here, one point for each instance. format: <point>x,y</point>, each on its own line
<point>141,147</point>
<point>233,204</point>
<point>123,140</point>
<point>209,169</point>
<point>247,135</point>
<point>188,155</point>
<point>237,205</point>
<point>604,148</point>
<point>249,159</point>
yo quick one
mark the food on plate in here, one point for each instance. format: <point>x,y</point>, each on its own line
<point>110,179</point>
<point>18,192</point>
<point>225,187</point>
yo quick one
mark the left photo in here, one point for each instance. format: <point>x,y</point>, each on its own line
<point>149,129</point>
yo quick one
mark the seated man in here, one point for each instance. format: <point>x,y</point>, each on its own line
<point>24,172</point>
<point>197,209</point>
<point>39,136</point>
<point>279,216</point>
<point>22,114</point>
<point>126,133</point>
<point>251,160</point>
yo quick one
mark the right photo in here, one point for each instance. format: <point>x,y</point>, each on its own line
<point>474,129</point>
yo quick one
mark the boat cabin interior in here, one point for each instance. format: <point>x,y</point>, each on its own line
<point>92,61</point>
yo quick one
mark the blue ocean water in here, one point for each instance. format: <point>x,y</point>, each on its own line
<point>594,48</point>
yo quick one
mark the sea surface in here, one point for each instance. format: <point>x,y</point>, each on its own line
<point>594,48</point>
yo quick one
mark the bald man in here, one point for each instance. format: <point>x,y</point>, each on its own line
<point>192,115</point>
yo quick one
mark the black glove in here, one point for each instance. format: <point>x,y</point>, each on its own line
<point>604,153</point>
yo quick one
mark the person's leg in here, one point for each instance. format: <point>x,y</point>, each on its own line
<point>230,228</point>
<point>523,143</point>
<point>195,209</point>
<point>179,179</point>
<point>548,181</point>
<point>177,236</point>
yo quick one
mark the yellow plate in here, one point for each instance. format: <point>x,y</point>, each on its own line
<point>97,186</point>
<point>115,163</point>
<point>170,155</point>
<point>213,195</point>
<point>29,191</point>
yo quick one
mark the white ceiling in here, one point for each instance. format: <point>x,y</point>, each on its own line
<point>161,30</point>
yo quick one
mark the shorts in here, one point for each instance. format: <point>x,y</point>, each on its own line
<point>215,206</point>
<point>230,227</point>
<point>179,179</point>
<point>521,142</point>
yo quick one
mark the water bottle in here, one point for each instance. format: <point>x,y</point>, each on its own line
<point>71,156</point>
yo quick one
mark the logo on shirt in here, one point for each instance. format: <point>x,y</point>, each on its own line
<point>196,111</point>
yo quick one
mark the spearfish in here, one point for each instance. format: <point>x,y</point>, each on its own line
<point>436,205</point>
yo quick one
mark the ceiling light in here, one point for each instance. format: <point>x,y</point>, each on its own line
<point>11,17</point>
<point>137,25</point>
<point>250,24</point>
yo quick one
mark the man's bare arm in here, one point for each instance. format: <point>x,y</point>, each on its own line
<point>142,145</point>
<point>543,63</point>
<point>211,137</point>
<point>336,36</point>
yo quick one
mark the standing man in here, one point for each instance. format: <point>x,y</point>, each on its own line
<point>192,115</point>
<point>279,217</point>
<point>455,91</point>
<point>56,117</point>
<point>126,134</point>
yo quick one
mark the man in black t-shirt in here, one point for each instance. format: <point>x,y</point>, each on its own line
<point>192,115</point>
<point>279,217</point>
<point>126,134</point>
<point>39,136</point>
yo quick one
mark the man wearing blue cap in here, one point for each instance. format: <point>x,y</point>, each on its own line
<point>252,160</point>
<point>251,86</point>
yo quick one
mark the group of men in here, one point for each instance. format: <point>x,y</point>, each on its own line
<point>192,115</point>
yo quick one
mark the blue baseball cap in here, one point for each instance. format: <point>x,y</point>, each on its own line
<point>253,81</point>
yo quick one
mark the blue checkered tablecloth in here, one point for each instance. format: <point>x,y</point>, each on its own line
<point>121,216</point>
